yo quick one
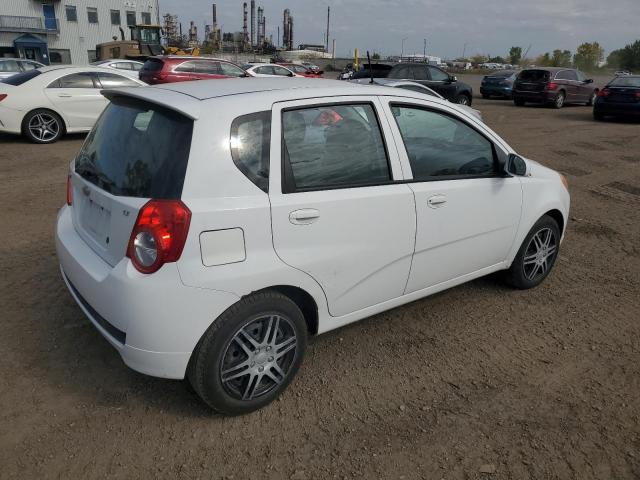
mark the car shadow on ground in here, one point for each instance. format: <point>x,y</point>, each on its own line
<point>17,139</point>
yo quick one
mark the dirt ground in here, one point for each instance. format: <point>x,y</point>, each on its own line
<point>477,382</point>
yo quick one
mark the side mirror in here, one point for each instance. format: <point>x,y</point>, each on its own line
<point>589,80</point>
<point>516,165</point>
<point>290,75</point>
<point>453,79</point>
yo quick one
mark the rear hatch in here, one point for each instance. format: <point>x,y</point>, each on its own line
<point>623,90</point>
<point>533,80</point>
<point>137,151</point>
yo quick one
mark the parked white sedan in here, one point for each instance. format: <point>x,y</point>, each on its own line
<point>130,68</point>
<point>46,103</point>
<point>212,227</point>
<point>268,70</point>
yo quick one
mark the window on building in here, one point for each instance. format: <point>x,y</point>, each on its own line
<point>71,13</point>
<point>115,17</point>
<point>92,55</point>
<point>59,57</point>
<point>131,18</point>
<point>146,18</point>
<point>92,14</point>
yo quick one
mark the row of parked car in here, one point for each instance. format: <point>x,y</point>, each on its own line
<point>558,87</point>
<point>43,103</point>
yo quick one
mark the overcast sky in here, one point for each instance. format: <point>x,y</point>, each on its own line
<point>486,26</point>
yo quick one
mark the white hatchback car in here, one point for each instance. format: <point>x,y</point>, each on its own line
<point>46,103</point>
<point>211,227</point>
<point>268,70</point>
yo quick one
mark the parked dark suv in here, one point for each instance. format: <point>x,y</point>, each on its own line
<point>553,86</point>
<point>436,79</point>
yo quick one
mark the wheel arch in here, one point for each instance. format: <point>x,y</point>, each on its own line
<point>558,217</point>
<point>303,299</point>
<point>64,122</point>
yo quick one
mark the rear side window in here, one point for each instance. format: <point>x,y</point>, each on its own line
<point>231,70</point>
<point>250,144</point>
<point>137,149</point>
<point>441,147</point>
<point>110,80</point>
<point>9,66</point>
<point>20,78</point>
<point>75,80</point>
<point>152,65</point>
<point>534,75</point>
<point>337,146</point>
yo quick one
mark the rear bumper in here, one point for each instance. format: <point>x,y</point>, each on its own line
<point>153,321</point>
<point>11,120</point>
<point>497,90</point>
<point>534,97</point>
<point>611,108</point>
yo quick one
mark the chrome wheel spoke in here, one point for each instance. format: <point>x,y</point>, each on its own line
<point>284,347</point>
<point>236,371</point>
<point>252,386</point>
<point>246,342</point>
<point>272,330</point>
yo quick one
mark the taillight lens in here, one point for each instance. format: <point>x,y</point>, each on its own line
<point>159,234</point>
<point>638,95</point>
<point>3,96</point>
<point>604,92</point>
<point>69,191</point>
<point>552,86</point>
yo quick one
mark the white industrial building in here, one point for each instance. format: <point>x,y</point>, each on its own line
<point>67,31</point>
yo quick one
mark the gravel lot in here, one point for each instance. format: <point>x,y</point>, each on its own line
<point>477,382</point>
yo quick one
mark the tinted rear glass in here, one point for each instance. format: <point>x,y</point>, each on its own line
<point>534,75</point>
<point>625,82</point>
<point>152,65</point>
<point>20,78</point>
<point>137,149</point>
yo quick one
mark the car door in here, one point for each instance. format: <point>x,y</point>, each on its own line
<point>184,72</point>
<point>441,82</point>
<point>77,98</point>
<point>584,86</point>
<point>336,212</point>
<point>467,211</point>
<point>567,80</point>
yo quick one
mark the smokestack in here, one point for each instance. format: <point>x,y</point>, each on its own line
<point>290,33</point>
<point>253,22</point>
<point>328,17</point>
<point>260,32</point>
<point>245,32</point>
<point>286,28</point>
<point>215,17</point>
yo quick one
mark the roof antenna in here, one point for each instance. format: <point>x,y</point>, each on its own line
<point>370,69</point>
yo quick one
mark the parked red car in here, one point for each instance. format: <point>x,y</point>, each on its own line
<point>170,69</point>
<point>302,70</point>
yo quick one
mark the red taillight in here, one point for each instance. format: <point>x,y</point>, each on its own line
<point>69,191</point>
<point>159,234</point>
<point>3,96</point>
<point>552,86</point>
<point>638,95</point>
<point>604,92</point>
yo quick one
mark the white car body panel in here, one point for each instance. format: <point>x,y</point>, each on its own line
<point>371,248</point>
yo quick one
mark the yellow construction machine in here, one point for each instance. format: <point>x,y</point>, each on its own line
<point>144,43</point>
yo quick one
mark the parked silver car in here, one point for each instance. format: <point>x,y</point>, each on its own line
<point>11,66</point>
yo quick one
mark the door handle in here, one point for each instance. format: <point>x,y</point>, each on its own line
<point>304,216</point>
<point>64,95</point>
<point>437,201</point>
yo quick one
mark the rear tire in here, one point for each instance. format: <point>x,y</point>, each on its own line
<point>537,255</point>
<point>42,126</point>
<point>518,102</point>
<point>250,354</point>
<point>485,96</point>
<point>592,98</point>
<point>598,116</point>
<point>558,101</point>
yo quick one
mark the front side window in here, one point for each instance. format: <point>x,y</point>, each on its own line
<point>26,66</point>
<point>231,70</point>
<point>281,71</point>
<point>419,72</point>
<point>332,147</point>
<point>438,75</point>
<point>111,80</point>
<point>209,68</point>
<point>71,13</point>
<point>9,66</point>
<point>92,15</point>
<point>115,17</point>
<point>250,142</point>
<point>401,72</point>
<point>440,146</point>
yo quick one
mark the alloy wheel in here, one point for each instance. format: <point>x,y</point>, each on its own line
<point>539,255</point>
<point>560,100</point>
<point>44,127</point>
<point>463,100</point>
<point>259,357</point>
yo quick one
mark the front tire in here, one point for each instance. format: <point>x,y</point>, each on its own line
<point>598,116</point>
<point>42,126</point>
<point>250,354</point>
<point>463,99</point>
<point>537,255</point>
<point>592,98</point>
<point>518,102</point>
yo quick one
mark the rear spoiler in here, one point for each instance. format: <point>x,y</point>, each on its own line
<point>178,102</point>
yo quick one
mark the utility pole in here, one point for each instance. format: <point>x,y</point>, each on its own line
<point>402,50</point>
<point>328,17</point>
<point>464,50</point>
<point>424,51</point>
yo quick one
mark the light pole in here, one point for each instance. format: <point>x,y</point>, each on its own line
<point>424,52</point>
<point>402,50</point>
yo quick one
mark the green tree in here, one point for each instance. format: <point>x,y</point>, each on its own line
<point>630,56</point>
<point>588,56</point>
<point>478,59</point>
<point>561,58</point>
<point>375,56</point>
<point>497,59</point>
<point>614,60</point>
<point>515,55</point>
<point>543,60</point>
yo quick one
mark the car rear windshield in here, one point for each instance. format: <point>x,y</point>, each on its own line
<point>137,149</point>
<point>20,78</point>
<point>152,65</point>
<point>625,82</point>
<point>534,75</point>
